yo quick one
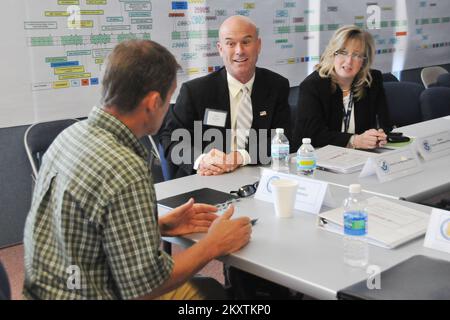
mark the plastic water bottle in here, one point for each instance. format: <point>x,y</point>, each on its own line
<point>280,151</point>
<point>356,249</point>
<point>306,158</point>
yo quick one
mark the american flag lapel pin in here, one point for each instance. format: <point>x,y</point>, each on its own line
<point>263,114</point>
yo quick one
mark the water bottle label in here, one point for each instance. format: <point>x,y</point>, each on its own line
<point>306,163</point>
<point>355,223</point>
<point>280,151</point>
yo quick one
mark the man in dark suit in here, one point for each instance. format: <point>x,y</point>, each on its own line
<point>231,101</point>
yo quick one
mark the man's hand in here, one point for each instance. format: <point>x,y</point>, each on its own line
<point>226,235</point>
<point>187,218</point>
<point>370,139</point>
<point>216,162</point>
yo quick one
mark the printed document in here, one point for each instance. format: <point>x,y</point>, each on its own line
<point>389,224</point>
<point>341,160</point>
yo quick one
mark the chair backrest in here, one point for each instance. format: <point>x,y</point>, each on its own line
<point>154,159</point>
<point>411,75</point>
<point>293,96</point>
<point>5,290</point>
<point>443,80</point>
<point>169,169</point>
<point>430,75</point>
<point>293,100</point>
<point>159,165</point>
<point>435,102</point>
<point>389,77</point>
<point>39,137</point>
<point>403,100</point>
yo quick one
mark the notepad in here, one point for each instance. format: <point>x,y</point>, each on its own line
<point>204,195</point>
<point>390,224</point>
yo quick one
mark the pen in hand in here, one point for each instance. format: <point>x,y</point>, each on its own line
<point>377,122</point>
<point>253,221</point>
<point>379,129</point>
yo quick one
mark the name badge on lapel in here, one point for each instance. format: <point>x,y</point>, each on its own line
<point>214,117</point>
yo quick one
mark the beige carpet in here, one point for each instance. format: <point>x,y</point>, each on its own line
<point>12,259</point>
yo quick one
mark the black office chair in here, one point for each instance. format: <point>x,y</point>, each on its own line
<point>293,97</point>
<point>152,144</point>
<point>39,137</point>
<point>5,290</point>
<point>443,80</point>
<point>411,75</point>
<point>403,100</point>
<point>154,158</point>
<point>429,75</point>
<point>293,101</point>
<point>166,168</point>
<point>435,103</point>
<point>169,169</point>
<point>389,77</point>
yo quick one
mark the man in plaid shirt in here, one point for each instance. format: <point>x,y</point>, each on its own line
<point>93,230</point>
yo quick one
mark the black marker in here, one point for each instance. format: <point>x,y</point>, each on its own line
<point>253,221</point>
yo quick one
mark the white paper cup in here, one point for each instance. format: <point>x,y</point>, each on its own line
<point>284,192</point>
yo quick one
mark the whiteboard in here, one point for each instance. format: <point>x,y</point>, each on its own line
<point>53,50</point>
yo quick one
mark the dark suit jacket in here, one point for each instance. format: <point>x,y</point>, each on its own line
<point>270,111</point>
<point>320,111</point>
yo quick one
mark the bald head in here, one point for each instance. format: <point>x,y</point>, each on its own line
<point>239,47</point>
<point>237,22</point>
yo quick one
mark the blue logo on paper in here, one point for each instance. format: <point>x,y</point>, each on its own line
<point>268,186</point>
<point>426,146</point>
<point>445,229</point>
<point>384,166</point>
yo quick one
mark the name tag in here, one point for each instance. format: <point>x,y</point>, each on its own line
<point>214,117</point>
<point>311,194</point>
<point>434,146</point>
<point>392,165</point>
<point>438,233</point>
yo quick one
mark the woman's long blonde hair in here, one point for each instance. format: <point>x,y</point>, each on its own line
<point>338,42</point>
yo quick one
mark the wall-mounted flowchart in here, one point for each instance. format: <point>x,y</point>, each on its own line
<point>79,35</point>
<point>63,44</point>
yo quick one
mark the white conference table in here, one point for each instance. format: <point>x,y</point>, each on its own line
<point>433,180</point>
<point>293,252</point>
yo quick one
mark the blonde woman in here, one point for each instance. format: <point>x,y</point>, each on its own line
<point>343,102</point>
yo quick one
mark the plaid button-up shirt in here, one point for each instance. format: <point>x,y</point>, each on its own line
<point>92,230</point>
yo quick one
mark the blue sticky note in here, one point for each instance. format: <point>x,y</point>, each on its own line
<point>179,5</point>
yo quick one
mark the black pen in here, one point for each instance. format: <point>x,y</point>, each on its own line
<point>377,122</point>
<point>253,221</point>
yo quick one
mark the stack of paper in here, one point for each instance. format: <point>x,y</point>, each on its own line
<point>389,224</point>
<point>341,160</point>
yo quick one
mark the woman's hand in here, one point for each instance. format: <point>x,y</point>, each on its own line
<point>370,139</point>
